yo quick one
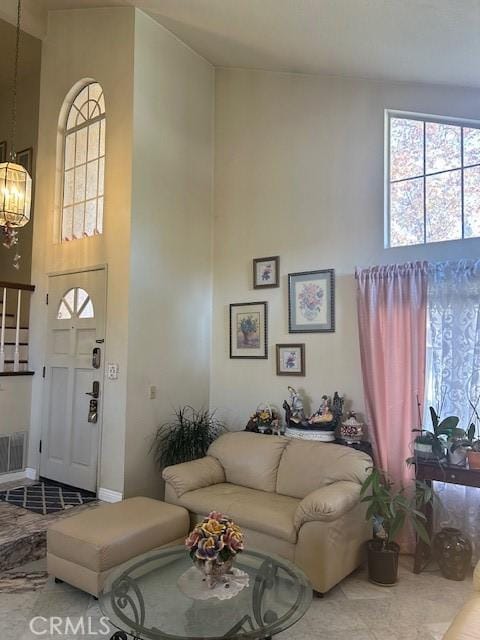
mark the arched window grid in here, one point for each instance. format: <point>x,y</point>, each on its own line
<point>84,165</point>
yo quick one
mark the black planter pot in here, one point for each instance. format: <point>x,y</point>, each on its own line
<point>453,552</point>
<point>382,562</point>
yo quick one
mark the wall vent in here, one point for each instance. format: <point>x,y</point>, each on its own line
<point>12,452</point>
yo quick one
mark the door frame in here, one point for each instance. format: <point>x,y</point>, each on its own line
<point>51,274</point>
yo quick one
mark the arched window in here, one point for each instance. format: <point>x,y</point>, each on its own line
<point>84,165</point>
<point>76,302</point>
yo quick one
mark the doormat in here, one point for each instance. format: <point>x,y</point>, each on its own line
<point>46,498</point>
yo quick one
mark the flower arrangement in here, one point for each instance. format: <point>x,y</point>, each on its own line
<point>311,300</point>
<point>217,538</point>
<point>264,420</point>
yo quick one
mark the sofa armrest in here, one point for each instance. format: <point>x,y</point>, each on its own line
<point>328,503</point>
<point>196,474</point>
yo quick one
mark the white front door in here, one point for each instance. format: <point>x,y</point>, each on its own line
<point>74,369</point>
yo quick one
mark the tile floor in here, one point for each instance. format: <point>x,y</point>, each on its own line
<point>419,607</point>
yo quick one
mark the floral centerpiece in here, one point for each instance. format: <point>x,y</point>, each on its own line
<point>213,545</point>
<point>264,420</point>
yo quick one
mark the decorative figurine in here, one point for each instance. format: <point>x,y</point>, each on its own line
<point>296,405</point>
<point>324,413</point>
<point>351,429</point>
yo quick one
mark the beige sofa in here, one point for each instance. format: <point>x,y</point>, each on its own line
<point>299,499</point>
<point>466,625</point>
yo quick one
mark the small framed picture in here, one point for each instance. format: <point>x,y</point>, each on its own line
<point>24,158</point>
<point>290,359</point>
<point>248,330</point>
<point>3,151</point>
<point>266,272</point>
<point>311,301</point>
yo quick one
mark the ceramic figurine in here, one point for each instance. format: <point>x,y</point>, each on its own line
<point>324,413</point>
<point>296,406</point>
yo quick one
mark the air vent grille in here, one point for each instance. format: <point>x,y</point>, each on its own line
<point>12,452</point>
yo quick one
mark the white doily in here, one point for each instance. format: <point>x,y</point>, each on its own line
<point>192,583</point>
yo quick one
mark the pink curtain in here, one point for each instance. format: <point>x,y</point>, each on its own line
<point>392,315</point>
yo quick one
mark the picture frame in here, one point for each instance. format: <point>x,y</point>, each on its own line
<point>25,159</point>
<point>248,330</point>
<point>290,359</point>
<point>266,272</point>
<point>3,151</point>
<point>311,301</point>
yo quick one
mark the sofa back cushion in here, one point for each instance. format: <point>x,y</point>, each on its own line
<point>307,465</point>
<point>249,459</point>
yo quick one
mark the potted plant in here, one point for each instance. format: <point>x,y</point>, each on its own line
<point>433,443</point>
<point>473,455</point>
<point>248,326</point>
<point>390,510</point>
<point>186,437</point>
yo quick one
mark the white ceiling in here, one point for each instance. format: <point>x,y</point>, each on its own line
<point>420,40</point>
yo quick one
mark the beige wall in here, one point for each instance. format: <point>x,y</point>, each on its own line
<point>90,43</point>
<point>299,173</point>
<point>28,95</point>
<point>170,263</point>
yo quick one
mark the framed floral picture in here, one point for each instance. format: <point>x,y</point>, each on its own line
<point>311,301</point>
<point>266,272</point>
<point>290,359</point>
<point>248,330</point>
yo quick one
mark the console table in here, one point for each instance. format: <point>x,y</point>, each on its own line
<point>429,471</point>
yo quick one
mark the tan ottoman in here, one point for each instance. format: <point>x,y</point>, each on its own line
<point>82,549</point>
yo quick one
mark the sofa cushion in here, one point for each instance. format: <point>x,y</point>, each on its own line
<point>249,459</point>
<point>261,511</point>
<point>104,537</point>
<point>196,474</point>
<point>306,466</point>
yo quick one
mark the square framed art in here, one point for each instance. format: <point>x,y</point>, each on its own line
<point>248,330</point>
<point>266,272</point>
<point>290,359</point>
<point>311,301</point>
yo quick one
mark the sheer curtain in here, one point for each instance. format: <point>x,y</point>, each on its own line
<point>453,374</point>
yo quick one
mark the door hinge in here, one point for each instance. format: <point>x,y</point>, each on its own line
<point>40,447</point>
<point>46,298</point>
<point>43,372</point>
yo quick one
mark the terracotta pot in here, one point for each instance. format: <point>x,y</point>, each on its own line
<point>453,552</point>
<point>382,563</point>
<point>473,459</point>
<point>214,570</point>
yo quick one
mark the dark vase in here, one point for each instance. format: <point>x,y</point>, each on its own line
<point>453,552</point>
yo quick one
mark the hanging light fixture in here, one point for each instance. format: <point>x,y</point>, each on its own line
<point>15,181</point>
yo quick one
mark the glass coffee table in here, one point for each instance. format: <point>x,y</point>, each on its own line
<point>159,596</point>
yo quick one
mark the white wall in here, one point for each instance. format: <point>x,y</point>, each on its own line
<point>87,43</point>
<point>299,173</point>
<point>170,264</point>
<point>15,393</point>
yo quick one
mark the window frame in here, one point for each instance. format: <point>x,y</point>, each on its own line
<point>425,118</point>
<point>79,88</point>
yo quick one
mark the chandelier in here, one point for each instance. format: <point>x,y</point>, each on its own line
<point>15,182</point>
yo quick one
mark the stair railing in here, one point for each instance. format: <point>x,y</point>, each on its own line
<point>18,287</point>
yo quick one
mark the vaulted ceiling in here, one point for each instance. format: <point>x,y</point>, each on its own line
<point>408,40</point>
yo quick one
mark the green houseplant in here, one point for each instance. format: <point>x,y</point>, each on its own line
<point>433,444</point>
<point>389,510</point>
<point>186,436</point>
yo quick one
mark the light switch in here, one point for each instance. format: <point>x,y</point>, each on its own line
<point>112,371</point>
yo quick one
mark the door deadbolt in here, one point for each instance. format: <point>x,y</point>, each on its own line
<point>96,357</point>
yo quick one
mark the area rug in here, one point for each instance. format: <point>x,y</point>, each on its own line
<point>45,498</point>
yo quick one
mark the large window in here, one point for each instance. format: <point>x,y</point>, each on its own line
<point>84,165</point>
<point>432,179</point>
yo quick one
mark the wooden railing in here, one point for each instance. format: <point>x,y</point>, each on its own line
<point>6,290</point>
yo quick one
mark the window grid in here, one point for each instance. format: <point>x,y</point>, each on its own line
<point>462,125</point>
<point>75,223</point>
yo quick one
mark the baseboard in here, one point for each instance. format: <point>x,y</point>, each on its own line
<point>107,495</point>
<point>31,473</point>
<point>13,476</point>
